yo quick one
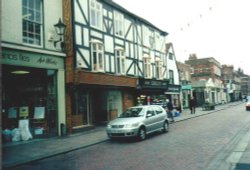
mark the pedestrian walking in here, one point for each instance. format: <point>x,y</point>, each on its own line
<point>192,105</point>
<point>169,110</point>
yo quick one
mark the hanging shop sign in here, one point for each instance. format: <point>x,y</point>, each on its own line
<point>174,88</point>
<point>186,87</point>
<point>29,59</point>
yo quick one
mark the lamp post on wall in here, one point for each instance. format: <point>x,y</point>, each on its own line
<point>60,30</point>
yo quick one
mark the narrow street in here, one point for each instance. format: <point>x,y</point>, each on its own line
<point>191,144</point>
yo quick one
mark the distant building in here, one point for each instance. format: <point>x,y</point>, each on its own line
<point>232,82</point>
<point>173,91</point>
<point>206,80</point>
<point>185,81</point>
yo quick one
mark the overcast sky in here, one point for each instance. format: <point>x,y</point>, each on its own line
<point>209,28</point>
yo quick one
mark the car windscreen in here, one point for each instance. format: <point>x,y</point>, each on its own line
<point>132,112</point>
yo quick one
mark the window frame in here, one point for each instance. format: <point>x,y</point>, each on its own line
<point>120,61</point>
<point>171,56</point>
<point>97,54</point>
<point>147,67</point>
<point>118,24</point>
<point>95,14</point>
<point>158,69</point>
<point>32,23</point>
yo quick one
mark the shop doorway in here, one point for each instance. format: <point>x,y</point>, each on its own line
<point>106,105</point>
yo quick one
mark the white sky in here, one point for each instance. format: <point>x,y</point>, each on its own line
<point>209,28</point>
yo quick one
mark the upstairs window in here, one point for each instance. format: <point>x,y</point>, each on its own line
<point>119,20</point>
<point>158,70</point>
<point>120,61</point>
<point>95,14</point>
<point>147,67</point>
<point>97,56</point>
<point>32,22</point>
<point>170,56</point>
<point>171,77</point>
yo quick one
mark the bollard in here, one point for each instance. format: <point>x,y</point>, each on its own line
<point>63,129</point>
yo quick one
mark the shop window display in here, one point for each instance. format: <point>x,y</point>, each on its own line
<point>28,102</point>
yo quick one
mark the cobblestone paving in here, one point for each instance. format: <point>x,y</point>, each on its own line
<point>190,145</point>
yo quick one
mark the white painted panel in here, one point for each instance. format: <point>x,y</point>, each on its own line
<point>110,15</point>
<point>78,15</point>
<point>112,64</point>
<point>105,12</point>
<point>86,55</point>
<point>140,52</point>
<point>107,63</point>
<point>132,50</point>
<point>141,67</point>
<point>119,42</point>
<point>86,37</point>
<point>78,35</point>
<point>127,52</point>
<point>105,25</point>
<point>95,34</point>
<point>152,55</point>
<point>109,43</point>
<point>127,26</point>
<point>112,30</point>
<point>52,13</point>
<point>11,21</point>
<point>132,69</point>
<point>80,62</point>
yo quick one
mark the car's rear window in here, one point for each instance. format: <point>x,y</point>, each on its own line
<point>132,112</point>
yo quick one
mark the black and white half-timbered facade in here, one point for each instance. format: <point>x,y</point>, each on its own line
<point>119,61</point>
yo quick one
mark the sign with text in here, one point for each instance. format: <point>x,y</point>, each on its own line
<point>148,83</point>
<point>23,58</point>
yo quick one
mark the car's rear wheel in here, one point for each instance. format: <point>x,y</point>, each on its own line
<point>165,127</point>
<point>141,134</point>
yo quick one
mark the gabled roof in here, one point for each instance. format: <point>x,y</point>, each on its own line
<point>122,9</point>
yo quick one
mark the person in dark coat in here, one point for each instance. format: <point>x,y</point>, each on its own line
<point>169,110</point>
<point>192,105</point>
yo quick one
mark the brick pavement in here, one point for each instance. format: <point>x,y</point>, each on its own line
<point>18,153</point>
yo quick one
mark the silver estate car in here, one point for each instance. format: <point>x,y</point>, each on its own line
<point>138,121</point>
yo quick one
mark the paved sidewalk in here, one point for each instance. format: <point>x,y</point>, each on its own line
<point>23,152</point>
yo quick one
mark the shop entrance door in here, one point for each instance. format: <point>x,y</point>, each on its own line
<point>114,106</point>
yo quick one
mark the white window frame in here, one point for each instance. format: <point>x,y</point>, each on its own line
<point>147,67</point>
<point>158,69</point>
<point>32,22</point>
<point>97,56</point>
<point>120,61</point>
<point>95,14</point>
<point>118,24</point>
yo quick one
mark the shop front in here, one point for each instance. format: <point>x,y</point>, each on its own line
<point>98,98</point>
<point>32,93</point>
<point>151,92</point>
<point>186,95</point>
<point>173,94</point>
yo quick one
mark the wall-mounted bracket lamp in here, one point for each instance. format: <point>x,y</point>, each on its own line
<point>60,30</point>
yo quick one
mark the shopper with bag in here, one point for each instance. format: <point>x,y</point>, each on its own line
<point>169,110</point>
